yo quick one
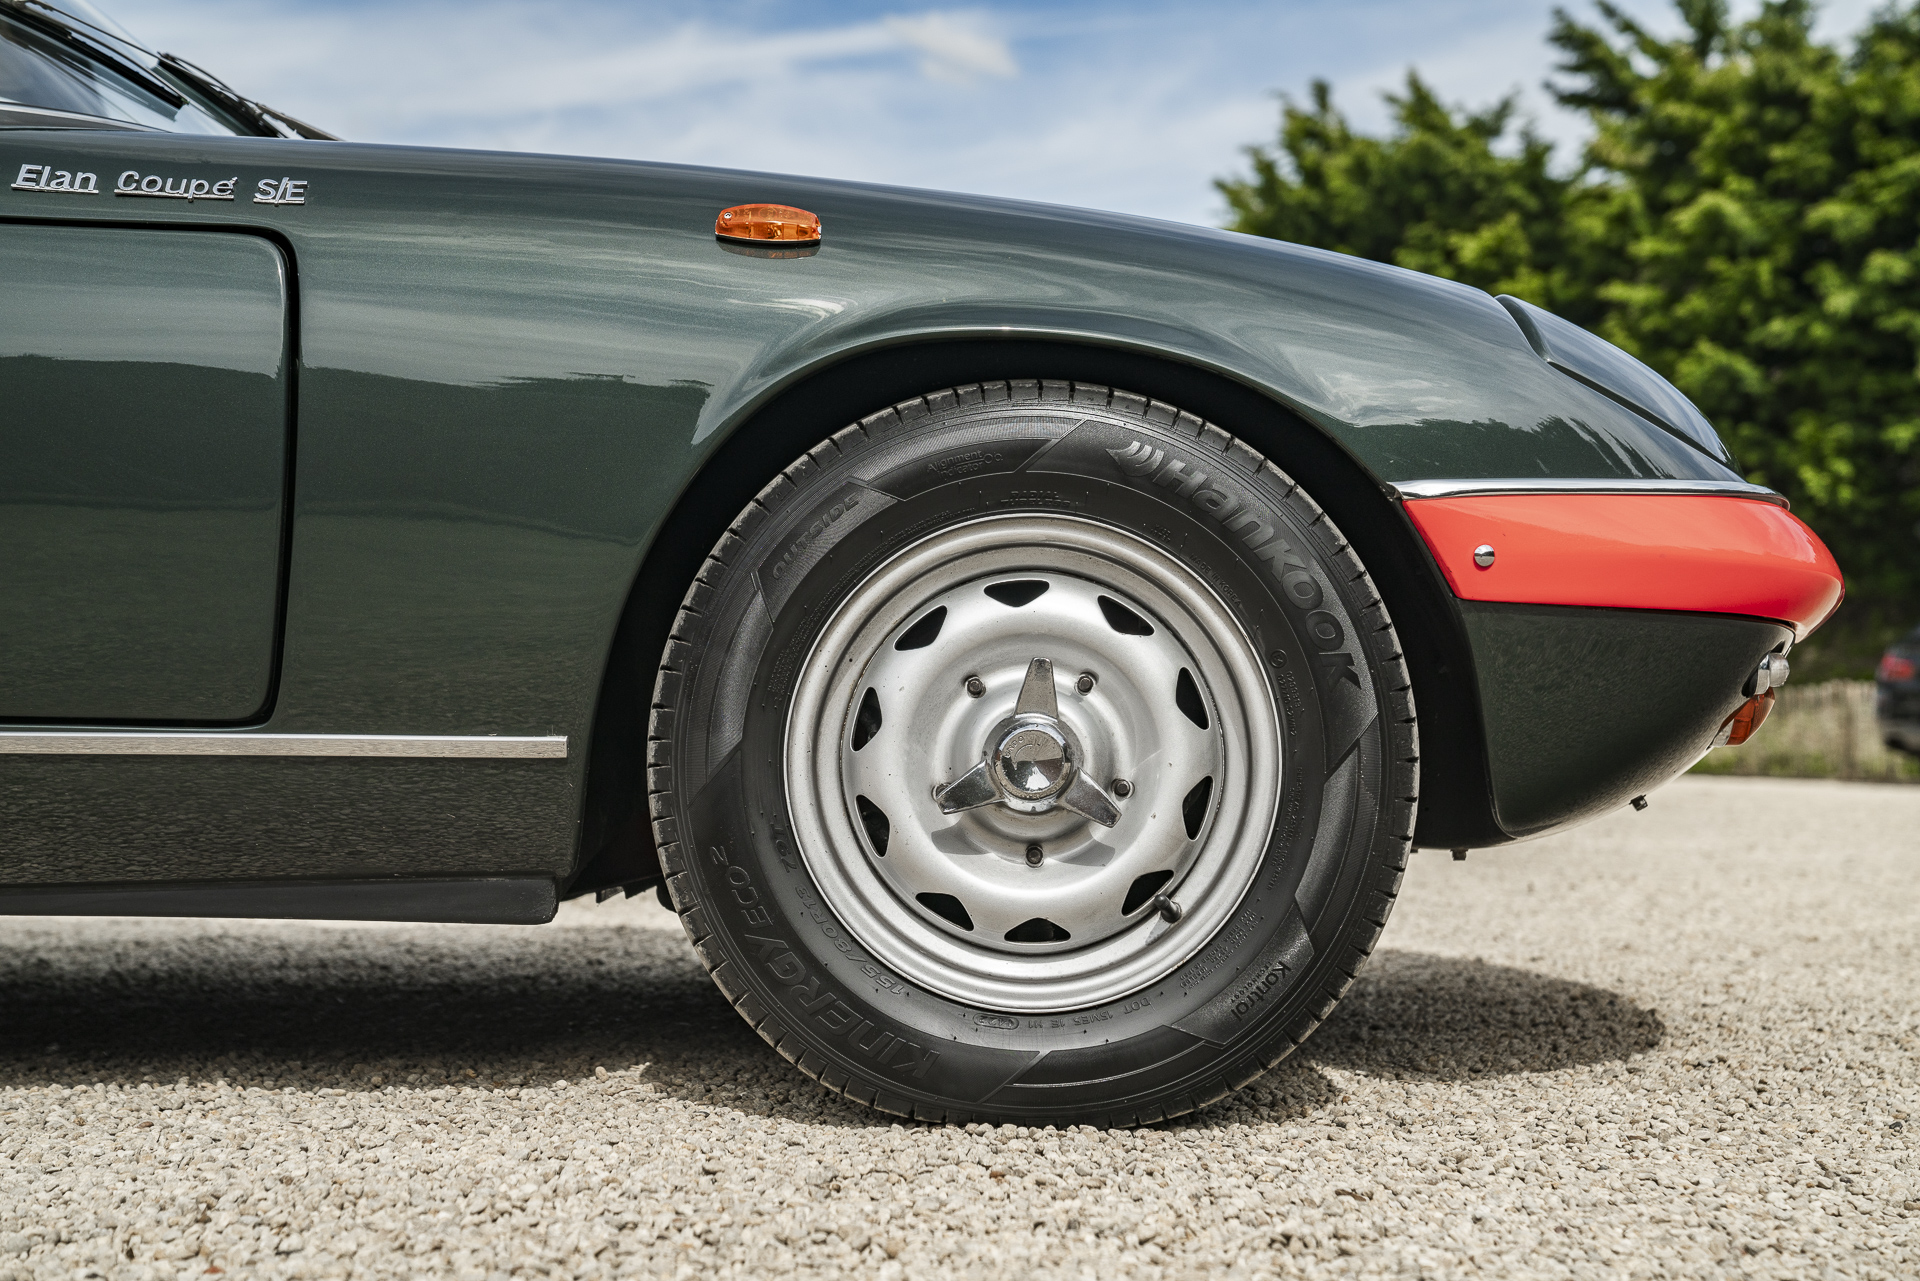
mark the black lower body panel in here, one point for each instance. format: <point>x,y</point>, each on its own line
<point>1586,709</point>
<point>132,820</point>
<point>492,900</point>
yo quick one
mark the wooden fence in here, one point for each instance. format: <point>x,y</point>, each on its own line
<point>1818,731</point>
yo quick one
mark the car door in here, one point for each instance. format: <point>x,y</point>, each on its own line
<point>143,473</point>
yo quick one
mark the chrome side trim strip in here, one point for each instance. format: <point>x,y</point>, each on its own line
<point>1534,485</point>
<point>181,743</point>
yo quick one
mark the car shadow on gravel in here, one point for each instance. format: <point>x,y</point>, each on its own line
<point>1413,1014</point>
<point>310,1007</point>
<point>305,1006</point>
<point>1417,1016</point>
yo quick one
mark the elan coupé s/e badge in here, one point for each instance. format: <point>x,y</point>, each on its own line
<point>56,181</point>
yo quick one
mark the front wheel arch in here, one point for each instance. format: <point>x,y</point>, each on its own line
<point>616,845</point>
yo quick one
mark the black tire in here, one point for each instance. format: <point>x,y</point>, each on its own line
<point>1343,817</point>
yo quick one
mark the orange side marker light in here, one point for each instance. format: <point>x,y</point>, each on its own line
<point>762,223</point>
<point>1745,721</point>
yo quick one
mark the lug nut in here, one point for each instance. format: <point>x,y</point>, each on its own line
<point>1085,683</point>
<point>975,686</point>
<point>1034,855</point>
<point>1122,788</point>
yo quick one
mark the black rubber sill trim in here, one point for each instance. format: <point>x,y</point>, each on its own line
<point>493,900</point>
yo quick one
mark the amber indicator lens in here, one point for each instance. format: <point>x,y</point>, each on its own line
<point>1746,722</point>
<point>762,223</point>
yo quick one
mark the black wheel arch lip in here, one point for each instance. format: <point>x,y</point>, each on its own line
<point>616,847</point>
<point>782,371</point>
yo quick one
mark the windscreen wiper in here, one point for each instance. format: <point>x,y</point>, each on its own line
<point>272,123</point>
<point>102,46</point>
<point>55,25</point>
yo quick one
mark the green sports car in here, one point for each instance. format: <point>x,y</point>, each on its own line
<point>1023,644</point>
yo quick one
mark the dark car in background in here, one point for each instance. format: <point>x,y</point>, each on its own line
<point>1897,694</point>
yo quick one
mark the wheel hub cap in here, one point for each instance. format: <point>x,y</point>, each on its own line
<point>1033,760</point>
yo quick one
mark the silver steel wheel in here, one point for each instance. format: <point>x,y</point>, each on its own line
<point>1033,763</point>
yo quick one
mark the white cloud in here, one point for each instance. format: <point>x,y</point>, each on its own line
<point>957,47</point>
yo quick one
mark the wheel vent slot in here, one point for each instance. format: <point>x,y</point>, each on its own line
<point>948,908</point>
<point>866,721</point>
<point>875,821</point>
<point>924,632</point>
<point>1186,697</point>
<point>1141,892</point>
<point>1194,808</point>
<point>1038,930</point>
<point>1021,591</point>
<point>1124,620</point>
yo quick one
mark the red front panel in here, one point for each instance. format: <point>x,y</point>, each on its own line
<point>1706,554</point>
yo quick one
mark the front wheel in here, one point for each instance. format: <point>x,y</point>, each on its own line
<point>1033,752</point>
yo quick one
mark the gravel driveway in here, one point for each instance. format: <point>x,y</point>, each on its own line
<point>1678,1043</point>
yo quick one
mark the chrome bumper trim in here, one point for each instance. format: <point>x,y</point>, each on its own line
<point>181,743</point>
<point>1535,485</point>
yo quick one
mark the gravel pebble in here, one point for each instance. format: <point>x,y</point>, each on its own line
<point>1678,1043</point>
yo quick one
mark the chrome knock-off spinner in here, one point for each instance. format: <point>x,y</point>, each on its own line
<point>1030,763</point>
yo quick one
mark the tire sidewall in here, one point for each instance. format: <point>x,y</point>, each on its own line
<point>832,1004</point>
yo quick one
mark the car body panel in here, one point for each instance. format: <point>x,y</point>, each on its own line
<point>1588,708</point>
<point>1697,552</point>
<point>511,368</point>
<point>1612,372</point>
<point>144,430</point>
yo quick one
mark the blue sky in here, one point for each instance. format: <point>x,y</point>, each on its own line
<point>1126,106</point>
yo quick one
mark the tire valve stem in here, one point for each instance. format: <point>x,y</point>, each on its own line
<point>1122,788</point>
<point>1035,854</point>
<point>1085,683</point>
<point>975,687</point>
<point>1167,908</point>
